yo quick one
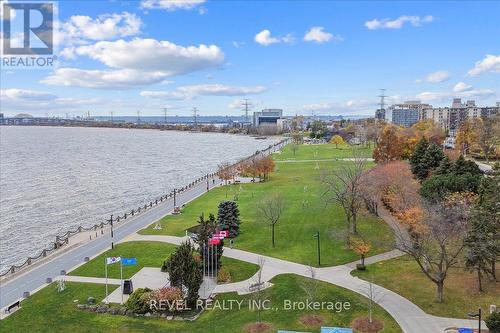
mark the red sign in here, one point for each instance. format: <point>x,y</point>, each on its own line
<point>214,241</point>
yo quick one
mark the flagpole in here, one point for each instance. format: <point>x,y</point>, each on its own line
<point>121,276</point>
<point>106,272</point>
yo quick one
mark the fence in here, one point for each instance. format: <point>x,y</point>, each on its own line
<point>61,240</point>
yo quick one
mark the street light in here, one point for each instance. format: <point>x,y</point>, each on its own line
<point>316,235</point>
<point>174,199</point>
<point>476,315</point>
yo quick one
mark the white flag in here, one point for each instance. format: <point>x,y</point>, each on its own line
<point>112,260</point>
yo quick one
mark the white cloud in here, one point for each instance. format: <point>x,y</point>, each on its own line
<point>171,5</point>
<point>318,35</point>
<point>26,95</point>
<point>153,55</point>
<point>188,92</point>
<point>430,96</point>
<point>264,38</point>
<point>398,23</point>
<point>461,86</point>
<point>490,63</point>
<point>14,100</point>
<point>435,77</point>
<point>103,79</point>
<point>79,28</point>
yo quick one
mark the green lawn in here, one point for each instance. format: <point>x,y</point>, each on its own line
<point>324,151</point>
<point>403,276</point>
<point>298,183</point>
<point>49,311</point>
<point>152,254</point>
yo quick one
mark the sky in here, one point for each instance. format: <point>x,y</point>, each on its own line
<point>306,57</point>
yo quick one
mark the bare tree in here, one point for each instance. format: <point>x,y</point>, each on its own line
<point>373,296</point>
<point>294,147</point>
<point>343,186</point>
<point>255,289</point>
<point>270,209</point>
<point>310,286</point>
<point>435,241</point>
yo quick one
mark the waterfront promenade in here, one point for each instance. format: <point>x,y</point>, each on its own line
<point>35,278</point>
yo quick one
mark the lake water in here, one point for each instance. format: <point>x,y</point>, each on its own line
<point>53,179</point>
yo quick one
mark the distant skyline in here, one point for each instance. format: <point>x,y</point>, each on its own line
<point>329,58</point>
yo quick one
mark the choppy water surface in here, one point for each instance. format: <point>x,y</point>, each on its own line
<point>53,178</point>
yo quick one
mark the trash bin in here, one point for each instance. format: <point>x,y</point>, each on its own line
<point>128,288</point>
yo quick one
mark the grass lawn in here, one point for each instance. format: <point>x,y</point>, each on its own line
<point>49,311</point>
<point>403,276</point>
<point>152,254</point>
<point>323,151</point>
<point>298,183</point>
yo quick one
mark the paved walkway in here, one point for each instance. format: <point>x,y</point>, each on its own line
<point>409,316</point>
<point>324,160</point>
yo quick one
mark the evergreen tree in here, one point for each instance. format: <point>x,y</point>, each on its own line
<point>433,157</point>
<point>463,166</point>
<point>184,270</point>
<point>417,159</point>
<point>445,167</point>
<point>228,218</point>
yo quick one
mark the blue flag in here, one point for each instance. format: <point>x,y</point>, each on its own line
<point>129,261</point>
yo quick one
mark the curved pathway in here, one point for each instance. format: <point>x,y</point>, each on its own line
<point>409,316</point>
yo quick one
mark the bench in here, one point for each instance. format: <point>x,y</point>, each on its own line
<point>256,286</point>
<point>12,306</point>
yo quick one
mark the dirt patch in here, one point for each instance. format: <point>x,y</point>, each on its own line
<point>312,320</point>
<point>363,325</point>
<point>258,327</point>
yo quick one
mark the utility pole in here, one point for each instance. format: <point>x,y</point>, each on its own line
<point>316,235</point>
<point>112,119</point>
<point>247,105</point>
<point>138,116</point>
<point>195,114</point>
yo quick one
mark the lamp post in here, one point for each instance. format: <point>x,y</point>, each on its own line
<point>175,204</point>
<point>476,315</point>
<point>112,234</point>
<point>316,235</point>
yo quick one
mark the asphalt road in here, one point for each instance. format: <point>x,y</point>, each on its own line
<point>12,290</point>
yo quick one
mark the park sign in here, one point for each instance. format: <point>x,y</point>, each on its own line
<point>112,260</point>
<point>336,330</point>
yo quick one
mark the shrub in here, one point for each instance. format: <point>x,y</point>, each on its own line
<point>223,275</point>
<point>138,301</point>
<point>169,295</point>
<point>493,322</point>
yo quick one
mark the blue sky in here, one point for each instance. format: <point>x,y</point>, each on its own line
<point>302,56</point>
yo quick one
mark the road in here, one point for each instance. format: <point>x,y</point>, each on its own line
<point>35,278</point>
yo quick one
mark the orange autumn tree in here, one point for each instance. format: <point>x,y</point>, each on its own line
<point>361,247</point>
<point>389,145</point>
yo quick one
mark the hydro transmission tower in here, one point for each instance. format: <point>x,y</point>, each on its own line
<point>247,105</point>
<point>165,115</point>
<point>382,103</point>
<point>195,115</point>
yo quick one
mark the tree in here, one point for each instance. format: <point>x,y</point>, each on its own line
<point>343,186</point>
<point>372,133</point>
<point>184,270</point>
<point>417,160</point>
<point>436,239</point>
<point>389,145</point>
<point>467,135</point>
<point>425,159</point>
<point>226,171</point>
<point>228,218</point>
<point>337,140</point>
<point>318,129</point>
<point>294,147</point>
<point>361,247</point>
<point>270,210</point>
<point>266,166</point>
<point>493,322</point>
